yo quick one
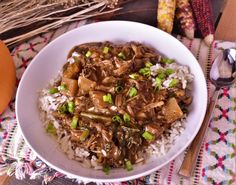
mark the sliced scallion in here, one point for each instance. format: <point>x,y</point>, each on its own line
<point>145,71</point>
<point>53,90</point>
<point>126,117</point>
<point>128,165</point>
<point>106,169</point>
<point>148,64</point>
<point>63,109</point>
<point>84,135</point>
<point>173,82</point>
<point>134,76</point>
<point>132,92</point>
<point>161,75</point>
<point>116,119</point>
<point>71,107</point>
<point>62,87</point>
<point>167,60</point>
<point>158,82</point>
<point>88,54</point>
<point>51,129</point>
<point>106,50</point>
<point>169,71</point>
<point>108,98</point>
<point>148,136</point>
<point>121,55</point>
<point>74,122</point>
<point>118,89</point>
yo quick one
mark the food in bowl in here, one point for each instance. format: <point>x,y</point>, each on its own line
<point>115,105</point>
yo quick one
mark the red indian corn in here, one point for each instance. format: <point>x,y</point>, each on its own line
<point>166,14</point>
<point>184,16</point>
<point>202,11</point>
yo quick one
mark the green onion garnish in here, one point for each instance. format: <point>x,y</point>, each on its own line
<point>106,50</point>
<point>126,117</point>
<point>148,64</point>
<point>63,87</point>
<point>119,88</point>
<point>173,82</point>
<point>145,71</point>
<point>134,76</point>
<point>106,169</point>
<point>158,83</point>
<point>88,54</point>
<point>84,135</point>
<point>161,75</point>
<point>169,71</point>
<point>148,136</point>
<point>71,106</point>
<point>63,109</point>
<point>74,122</point>
<point>132,92</point>
<point>117,119</point>
<point>51,129</point>
<point>53,90</point>
<point>108,98</point>
<point>128,165</point>
<point>167,60</point>
<point>122,55</point>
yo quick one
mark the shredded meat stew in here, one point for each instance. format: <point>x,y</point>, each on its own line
<point>120,99</point>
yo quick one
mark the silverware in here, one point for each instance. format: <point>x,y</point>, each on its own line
<point>222,74</point>
<point>230,54</point>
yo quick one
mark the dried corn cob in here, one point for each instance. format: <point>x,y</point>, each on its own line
<point>184,16</point>
<point>204,18</point>
<point>165,14</point>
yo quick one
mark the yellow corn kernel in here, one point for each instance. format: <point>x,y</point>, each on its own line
<point>166,14</point>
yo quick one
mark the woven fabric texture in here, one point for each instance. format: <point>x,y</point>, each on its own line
<point>216,163</point>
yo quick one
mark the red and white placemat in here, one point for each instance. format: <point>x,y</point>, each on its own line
<point>216,163</point>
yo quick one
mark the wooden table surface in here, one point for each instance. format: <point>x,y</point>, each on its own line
<point>143,14</point>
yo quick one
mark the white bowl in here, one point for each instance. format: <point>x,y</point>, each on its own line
<point>50,60</point>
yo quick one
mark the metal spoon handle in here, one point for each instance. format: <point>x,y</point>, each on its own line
<point>189,162</point>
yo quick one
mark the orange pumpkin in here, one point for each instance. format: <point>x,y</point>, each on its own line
<point>7,77</point>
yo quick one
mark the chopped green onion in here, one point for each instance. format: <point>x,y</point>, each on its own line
<point>106,169</point>
<point>167,60</point>
<point>108,98</point>
<point>134,76</point>
<point>161,75</point>
<point>88,54</point>
<point>145,71</point>
<point>128,165</point>
<point>148,136</point>
<point>63,87</point>
<point>106,50</point>
<point>169,71</point>
<point>71,107</point>
<point>148,64</point>
<point>117,119</point>
<point>119,88</point>
<point>158,83</point>
<point>84,135</point>
<point>173,82</point>
<point>53,90</point>
<point>126,117</point>
<point>122,55</point>
<point>63,109</point>
<point>51,129</point>
<point>74,122</point>
<point>132,92</point>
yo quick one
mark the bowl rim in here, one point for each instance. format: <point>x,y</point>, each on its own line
<point>130,177</point>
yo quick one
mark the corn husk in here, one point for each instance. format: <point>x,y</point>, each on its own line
<point>26,18</point>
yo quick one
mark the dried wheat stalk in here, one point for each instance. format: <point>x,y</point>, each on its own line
<point>19,14</point>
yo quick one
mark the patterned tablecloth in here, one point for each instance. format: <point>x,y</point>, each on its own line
<point>216,163</point>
